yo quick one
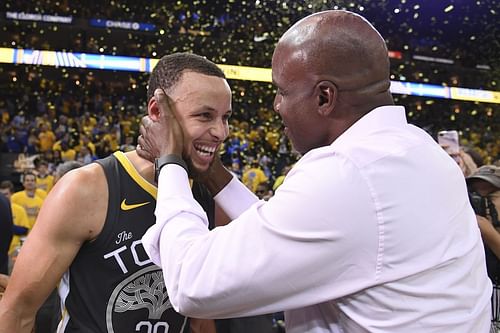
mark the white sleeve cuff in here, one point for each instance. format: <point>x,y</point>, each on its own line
<point>174,199</point>
<point>235,198</point>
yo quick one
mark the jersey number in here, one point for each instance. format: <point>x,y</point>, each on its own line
<point>150,328</point>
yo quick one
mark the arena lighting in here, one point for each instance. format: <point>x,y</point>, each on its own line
<point>137,64</point>
<point>122,25</point>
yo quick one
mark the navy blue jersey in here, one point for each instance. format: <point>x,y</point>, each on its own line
<point>112,285</point>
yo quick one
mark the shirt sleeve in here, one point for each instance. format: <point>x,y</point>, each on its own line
<point>280,254</point>
<point>174,202</point>
<point>235,198</point>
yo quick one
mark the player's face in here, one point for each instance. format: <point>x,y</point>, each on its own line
<point>204,105</point>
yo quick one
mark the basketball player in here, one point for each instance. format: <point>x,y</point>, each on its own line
<point>88,233</point>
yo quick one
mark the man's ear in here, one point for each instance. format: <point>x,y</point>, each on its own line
<point>153,109</point>
<point>327,97</point>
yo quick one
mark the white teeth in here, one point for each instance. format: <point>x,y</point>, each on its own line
<point>205,150</point>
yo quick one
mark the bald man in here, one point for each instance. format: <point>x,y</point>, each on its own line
<point>371,231</point>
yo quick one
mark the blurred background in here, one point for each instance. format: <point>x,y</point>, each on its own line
<point>82,100</point>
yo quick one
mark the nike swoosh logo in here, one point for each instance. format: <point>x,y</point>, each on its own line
<point>124,205</point>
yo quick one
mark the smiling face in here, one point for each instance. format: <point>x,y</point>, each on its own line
<point>203,103</point>
<point>296,101</point>
<point>331,68</point>
<point>29,182</point>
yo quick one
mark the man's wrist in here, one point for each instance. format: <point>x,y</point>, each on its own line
<point>218,179</point>
<point>161,161</point>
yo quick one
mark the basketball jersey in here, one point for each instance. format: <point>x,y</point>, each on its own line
<point>112,285</point>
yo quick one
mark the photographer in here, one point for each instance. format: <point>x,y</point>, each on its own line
<point>484,192</point>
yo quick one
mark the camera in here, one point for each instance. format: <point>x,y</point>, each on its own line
<point>484,207</point>
<point>478,203</point>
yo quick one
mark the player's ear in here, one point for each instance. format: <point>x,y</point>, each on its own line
<point>153,109</point>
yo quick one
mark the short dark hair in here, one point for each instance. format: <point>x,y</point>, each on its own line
<point>169,69</point>
<point>7,184</point>
<point>67,166</point>
<point>28,173</point>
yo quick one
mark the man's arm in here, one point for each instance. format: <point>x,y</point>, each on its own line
<point>73,213</point>
<point>489,234</point>
<point>234,199</point>
<point>221,217</point>
<point>255,264</point>
<point>202,326</point>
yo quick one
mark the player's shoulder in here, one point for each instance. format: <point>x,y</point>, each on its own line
<point>85,173</point>
<point>81,196</point>
<point>85,182</point>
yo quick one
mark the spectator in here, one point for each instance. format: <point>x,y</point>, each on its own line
<point>44,180</point>
<point>20,219</point>
<point>30,198</point>
<point>484,186</point>
<point>253,176</point>
<point>5,234</point>
<point>264,191</point>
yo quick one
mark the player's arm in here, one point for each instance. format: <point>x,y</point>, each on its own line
<point>73,213</point>
<point>202,326</point>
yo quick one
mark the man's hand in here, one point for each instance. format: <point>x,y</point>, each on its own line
<point>464,160</point>
<point>4,280</point>
<point>483,222</point>
<point>163,136</point>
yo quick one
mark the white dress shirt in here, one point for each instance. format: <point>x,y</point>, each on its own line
<point>373,233</point>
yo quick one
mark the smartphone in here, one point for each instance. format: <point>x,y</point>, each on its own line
<point>449,141</point>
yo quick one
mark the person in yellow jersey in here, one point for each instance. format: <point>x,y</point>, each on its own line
<point>30,198</point>
<point>253,176</point>
<point>44,180</point>
<point>67,152</point>
<point>19,216</point>
<point>47,138</point>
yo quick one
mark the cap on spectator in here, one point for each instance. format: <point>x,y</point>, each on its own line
<point>489,173</point>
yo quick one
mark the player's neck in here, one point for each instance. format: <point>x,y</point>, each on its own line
<point>144,167</point>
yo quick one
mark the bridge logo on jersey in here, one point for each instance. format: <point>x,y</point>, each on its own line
<point>140,304</point>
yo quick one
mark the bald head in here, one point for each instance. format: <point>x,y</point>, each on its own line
<point>343,47</point>
<point>329,70</point>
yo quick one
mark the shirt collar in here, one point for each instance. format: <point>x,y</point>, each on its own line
<point>374,121</point>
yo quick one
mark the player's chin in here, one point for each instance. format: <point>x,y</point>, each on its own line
<point>201,168</point>
<point>198,168</point>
